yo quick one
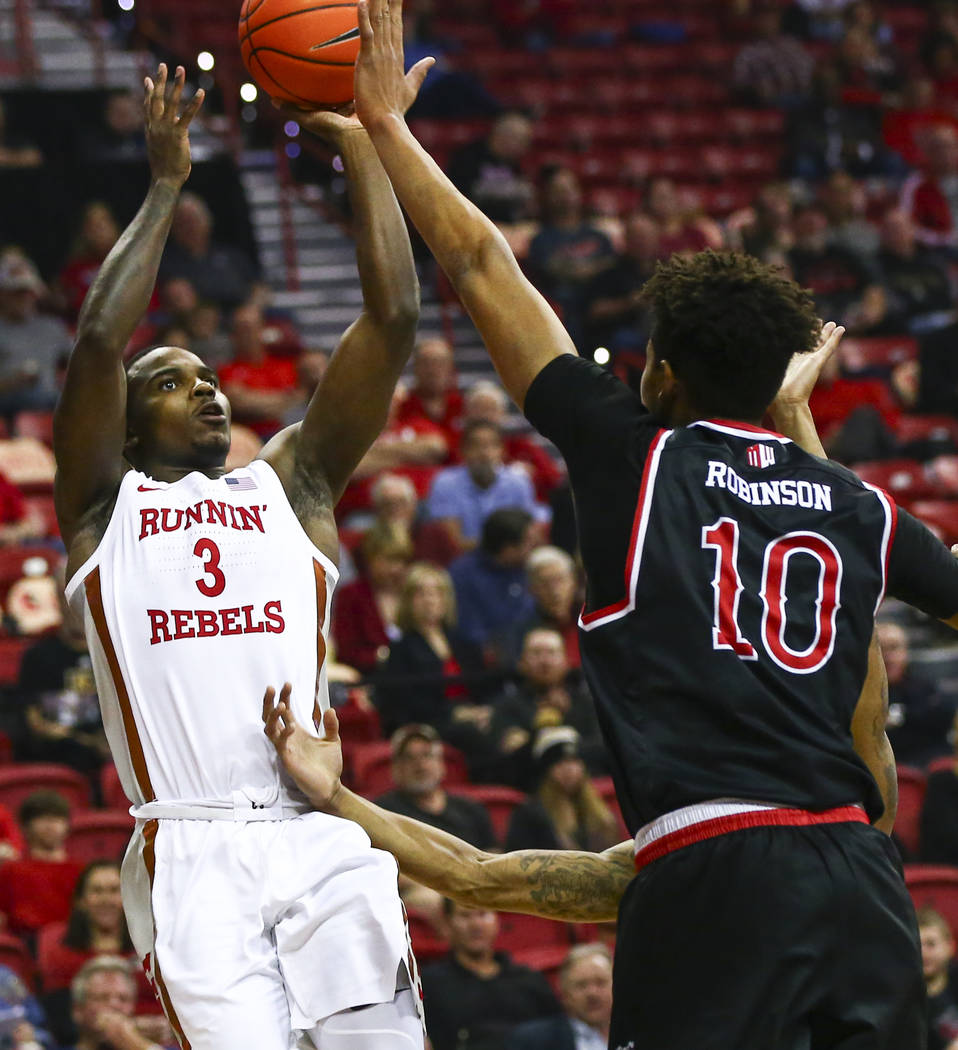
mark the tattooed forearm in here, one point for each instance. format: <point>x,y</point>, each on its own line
<point>576,887</point>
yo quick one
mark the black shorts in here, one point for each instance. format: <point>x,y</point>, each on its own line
<point>770,938</point>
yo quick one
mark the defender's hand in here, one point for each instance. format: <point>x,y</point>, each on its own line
<point>804,369</point>
<point>382,88</point>
<point>315,763</point>
<point>331,124</point>
<point>167,133</point>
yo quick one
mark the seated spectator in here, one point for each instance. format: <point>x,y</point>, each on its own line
<point>434,396</point>
<point>18,520</point>
<point>14,152</point>
<point>568,252</point>
<point>930,196</point>
<point>220,273</point>
<point>585,989</point>
<point>845,203</point>
<point>99,231</point>
<point>544,692</point>
<point>23,1024</point>
<point>555,591</point>
<point>104,1006</point>
<point>418,770</point>
<point>463,497</point>
<point>393,500</point>
<point>491,589</point>
<point>364,623</point>
<point>617,317</point>
<point>487,401</point>
<point>118,137</point>
<point>919,717</point>
<point>489,170</point>
<point>208,340</point>
<point>937,953</point>
<point>846,289</point>
<point>679,230</point>
<point>915,278</point>
<point>432,671</point>
<point>904,126</point>
<point>12,845</point>
<point>261,386</point>
<point>939,814</point>
<point>764,229</point>
<point>566,811</point>
<point>864,70</point>
<point>774,69</point>
<point>32,346</point>
<point>476,994</point>
<point>58,693</point>
<point>37,888</point>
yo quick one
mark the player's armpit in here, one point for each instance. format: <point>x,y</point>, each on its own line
<point>869,737</point>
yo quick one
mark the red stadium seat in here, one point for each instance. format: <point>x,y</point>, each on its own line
<point>877,352</point>
<point>11,656</point>
<point>372,768</point>
<point>943,472</point>
<point>523,931</point>
<point>499,801</point>
<point>941,516</point>
<point>23,778</point>
<point>905,479</point>
<point>42,506</point>
<point>99,834</point>
<point>111,791</point>
<point>911,797</point>
<point>426,943</point>
<point>12,560</point>
<point>37,425</point>
<point>940,765</point>
<point>546,959</point>
<point>927,428</point>
<point>14,953</point>
<point>934,886</point>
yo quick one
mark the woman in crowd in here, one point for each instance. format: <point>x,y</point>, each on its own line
<point>98,233</point>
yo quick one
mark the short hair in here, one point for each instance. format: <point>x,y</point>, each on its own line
<point>417,575</point>
<point>386,540</point>
<point>404,735</point>
<point>485,387</point>
<point>580,952</point>
<point>474,425</point>
<point>929,917</point>
<point>728,325</point>
<point>91,969</point>
<point>549,555</point>
<point>375,493</point>
<point>44,803</point>
<point>503,528</point>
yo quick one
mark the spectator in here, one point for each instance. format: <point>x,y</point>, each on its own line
<point>61,707</point>
<point>15,153</point>
<point>104,1004</point>
<point>12,845</point>
<point>394,501</point>
<point>366,609</point>
<point>490,581</point>
<point>434,395</point>
<point>119,137</point>
<point>432,670</point>
<point>904,126</point>
<point>678,230</point>
<point>930,197</point>
<point>555,590</point>
<point>585,988</point>
<point>915,278</point>
<point>99,231</point>
<point>566,812</point>
<point>844,202</point>
<point>476,994</point>
<point>919,717</point>
<point>864,71</point>
<point>261,386</point>
<point>487,401</point>
<point>764,229</point>
<point>489,170</point>
<point>568,252</point>
<point>939,813</point>
<point>23,1025</point>
<point>418,769</point>
<point>543,693</point>
<point>937,953</point>
<point>463,497</point>
<point>774,69</point>
<point>220,273</point>
<point>18,520</point>
<point>37,889</point>
<point>617,318</point>
<point>33,346</point>
<point>207,338</point>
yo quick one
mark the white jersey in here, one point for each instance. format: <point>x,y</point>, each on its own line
<point>201,593</point>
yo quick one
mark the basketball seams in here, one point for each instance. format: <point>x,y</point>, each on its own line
<point>296,58</point>
<point>291,14</point>
<point>289,94</point>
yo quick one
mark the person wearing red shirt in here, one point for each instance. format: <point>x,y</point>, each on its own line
<point>930,197</point>
<point>99,231</point>
<point>434,396</point>
<point>37,889</point>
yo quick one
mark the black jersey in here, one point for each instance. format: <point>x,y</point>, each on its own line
<point>732,584</point>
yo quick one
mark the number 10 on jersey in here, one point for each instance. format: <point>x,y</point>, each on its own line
<point>723,538</point>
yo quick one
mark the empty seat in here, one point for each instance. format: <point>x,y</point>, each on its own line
<point>877,352</point>
<point>99,834</point>
<point>941,516</point>
<point>939,765</point>
<point>523,931</point>
<point>905,479</point>
<point>934,886</point>
<point>19,780</point>
<point>499,801</point>
<point>111,790</point>
<point>37,425</point>
<point>936,428</point>
<point>912,784</point>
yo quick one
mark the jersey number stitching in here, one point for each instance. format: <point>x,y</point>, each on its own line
<point>722,537</point>
<point>210,553</point>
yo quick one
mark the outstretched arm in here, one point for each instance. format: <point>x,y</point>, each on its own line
<point>519,328</point>
<point>89,429</point>
<point>556,884</point>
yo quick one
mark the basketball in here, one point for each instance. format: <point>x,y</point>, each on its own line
<point>300,51</point>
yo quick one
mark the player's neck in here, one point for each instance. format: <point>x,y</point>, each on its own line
<point>168,473</point>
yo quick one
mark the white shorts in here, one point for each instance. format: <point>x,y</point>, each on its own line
<point>254,931</point>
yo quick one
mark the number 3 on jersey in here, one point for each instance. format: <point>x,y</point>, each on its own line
<point>210,553</point>
<point>723,537</point>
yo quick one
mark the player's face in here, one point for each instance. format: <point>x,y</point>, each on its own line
<point>587,991</point>
<point>177,415</point>
<point>937,951</point>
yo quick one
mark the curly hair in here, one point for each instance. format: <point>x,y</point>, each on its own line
<point>728,325</point>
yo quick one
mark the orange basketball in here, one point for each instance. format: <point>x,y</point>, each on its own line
<point>301,51</point>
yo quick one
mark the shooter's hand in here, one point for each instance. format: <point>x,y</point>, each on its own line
<point>804,370</point>
<point>167,131</point>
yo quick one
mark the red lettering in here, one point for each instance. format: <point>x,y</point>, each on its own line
<point>165,521</point>
<point>181,618</point>
<point>194,515</point>
<point>149,522</point>
<point>229,618</point>
<point>250,628</point>
<point>250,518</point>
<point>276,624</point>
<point>208,625</point>
<point>232,511</point>
<point>210,553</point>
<point>158,625</point>
<point>216,512</point>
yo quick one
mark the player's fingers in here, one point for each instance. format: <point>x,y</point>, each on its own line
<point>159,91</point>
<point>331,725</point>
<point>365,24</point>
<point>418,73</point>
<point>179,79</point>
<point>394,12</point>
<point>285,693</point>
<point>268,703</point>
<point>191,109</point>
<point>286,716</point>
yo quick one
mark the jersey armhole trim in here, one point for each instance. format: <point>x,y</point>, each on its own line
<point>640,523</point>
<point>888,536</point>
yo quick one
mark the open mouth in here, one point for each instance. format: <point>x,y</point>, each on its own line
<point>212,411</point>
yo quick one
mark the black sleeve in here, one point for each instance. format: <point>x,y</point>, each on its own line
<point>922,571</point>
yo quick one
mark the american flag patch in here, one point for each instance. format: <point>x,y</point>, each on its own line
<point>760,455</point>
<point>241,484</point>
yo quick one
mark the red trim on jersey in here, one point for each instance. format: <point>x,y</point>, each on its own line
<point>320,574</point>
<point>893,506</point>
<point>737,424</point>
<point>633,541</point>
<point>760,818</point>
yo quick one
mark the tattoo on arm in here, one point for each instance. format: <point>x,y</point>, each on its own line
<point>576,886</point>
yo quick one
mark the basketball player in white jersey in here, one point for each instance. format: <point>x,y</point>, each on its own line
<point>200,587</point>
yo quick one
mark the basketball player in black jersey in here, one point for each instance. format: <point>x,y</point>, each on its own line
<point>732,582</point>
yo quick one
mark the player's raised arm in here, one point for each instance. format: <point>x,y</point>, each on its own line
<point>90,420</point>
<point>519,328</point>
<point>556,884</point>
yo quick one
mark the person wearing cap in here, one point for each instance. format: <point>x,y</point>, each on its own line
<point>566,811</point>
<point>32,345</point>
